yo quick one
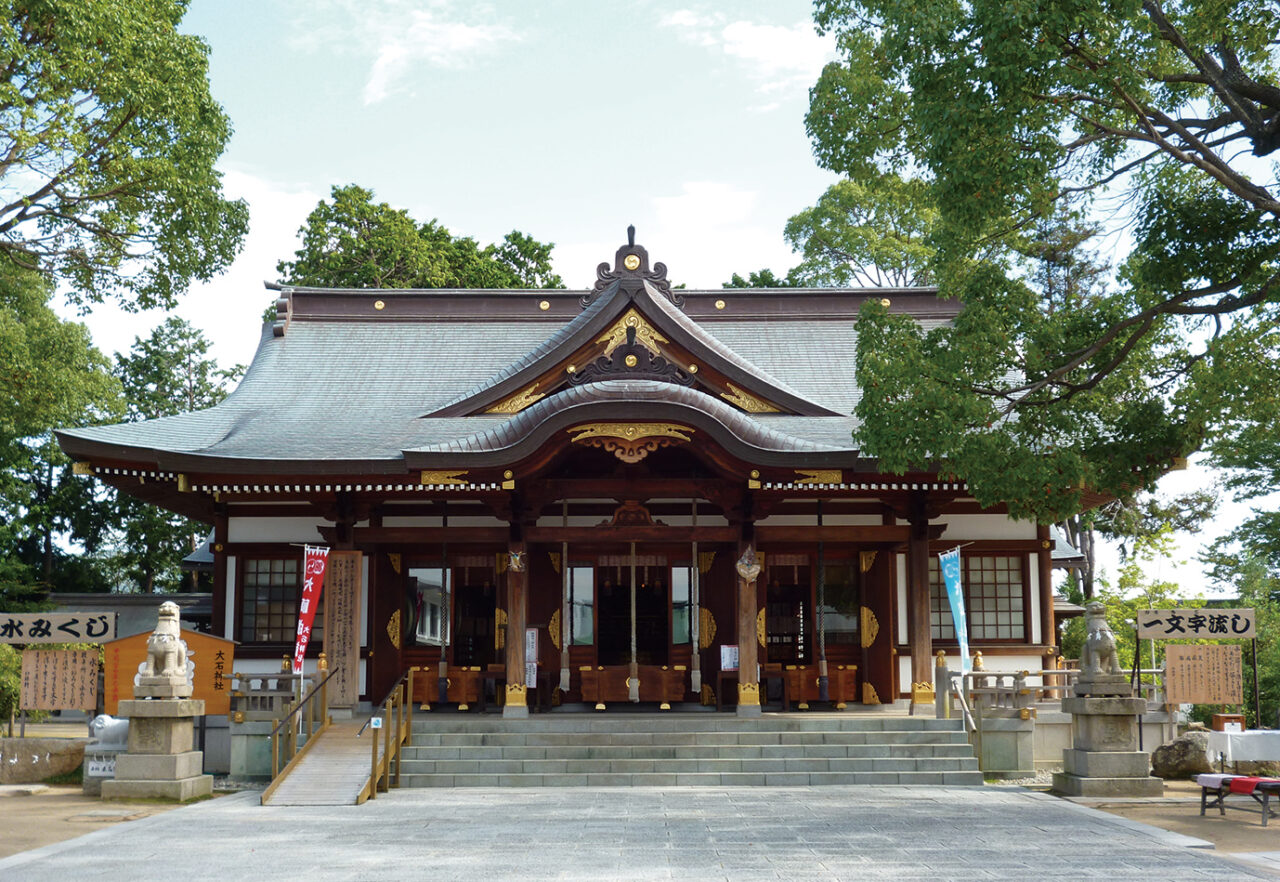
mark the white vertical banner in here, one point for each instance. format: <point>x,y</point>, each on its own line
<point>949,561</point>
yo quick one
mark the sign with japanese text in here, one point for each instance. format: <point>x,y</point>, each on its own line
<point>1207,624</point>
<point>342,626</point>
<point>1203,673</point>
<point>59,679</point>
<point>212,656</point>
<point>531,658</point>
<point>57,627</point>
<point>314,561</point>
<point>728,656</point>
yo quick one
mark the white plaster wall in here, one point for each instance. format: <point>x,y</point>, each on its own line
<point>398,521</point>
<point>901,564</point>
<point>981,526</point>
<point>229,605</point>
<point>241,529</point>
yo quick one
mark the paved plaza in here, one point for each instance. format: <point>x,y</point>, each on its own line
<point>899,833</point>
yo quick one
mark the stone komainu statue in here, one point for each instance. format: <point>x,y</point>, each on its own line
<point>164,673</point>
<point>1098,658</point>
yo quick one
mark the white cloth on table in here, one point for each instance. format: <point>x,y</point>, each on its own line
<point>1258,745</point>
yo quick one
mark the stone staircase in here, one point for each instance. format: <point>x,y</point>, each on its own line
<point>676,749</point>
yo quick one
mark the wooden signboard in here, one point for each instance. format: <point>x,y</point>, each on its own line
<point>342,626</point>
<point>1205,624</point>
<point>59,679</point>
<point>210,682</point>
<point>1203,674</point>
<point>28,628</point>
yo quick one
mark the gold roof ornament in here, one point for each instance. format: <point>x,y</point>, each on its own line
<point>449,478</point>
<point>819,476</point>
<point>519,401</point>
<point>630,442</point>
<point>747,401</point>
<point>646,335</point>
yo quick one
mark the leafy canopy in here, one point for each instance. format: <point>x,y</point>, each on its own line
<point>1148,116</point>
<point>108,139</point>
<point>353,242</point>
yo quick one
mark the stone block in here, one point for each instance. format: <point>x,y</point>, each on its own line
<point>99,766</point>
<point>1104,706</point>
<point>1074,785</point>
<point>166,767</point>
<point>180,790</point>
<point>1104,732</point>
<point>161,707</point>
<point>1106,764</point>
<point>31,760</point>
<point>160,735</point>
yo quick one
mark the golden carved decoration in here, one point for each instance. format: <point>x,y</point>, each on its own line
<point>544,305</point>
<point>870,627</point>
<point>819,476</point>
<point>519,401</point>
<point>631,261</point>
<point>571,369</point>
<point>393,629</point>
<point>869,695</point>
<point>553,629</point>
<point>693,368</point>
<point>450,477</point>
<point>749,694</point>
<point>706,628</point>
<point>630,442</point>
<point>705,559</point>
<point>499,628</point>
<point>720,304</point>
<point>394,559</point>
<point>516,695</point>
<point>631,361</point>
<point>81,468</point>
<point>746,401</point>
<point>760,626</point>
<point>646,335</point>
<point>885,302</point>
<point>922,693</point>
<point>379,305</point>
<point>707,695</point>
<point>555,560</point>
<point>866,559</point>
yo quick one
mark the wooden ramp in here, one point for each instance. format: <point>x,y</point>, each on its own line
<point>334,770</point>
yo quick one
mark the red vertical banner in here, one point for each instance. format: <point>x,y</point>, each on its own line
<point>315,561</point>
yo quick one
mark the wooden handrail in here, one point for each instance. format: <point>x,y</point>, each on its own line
<point>398,702</point>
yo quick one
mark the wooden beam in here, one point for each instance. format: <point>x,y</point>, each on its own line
<point>430,535</point>
<point>589,535</point>
<point>859,533</point>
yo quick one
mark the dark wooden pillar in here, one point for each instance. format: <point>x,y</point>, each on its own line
<point>517,615</point>
<point>1048,631</point>
<point>218,617</point>
<point>748,646</point>
<point>918,634</point>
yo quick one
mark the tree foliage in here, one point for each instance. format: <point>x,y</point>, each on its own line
<point>353,242</point>
<point>53,377</point>
<point>167,373</point>
<point>763,278</point>
<point>108,139</point>
<point>1012,113</point>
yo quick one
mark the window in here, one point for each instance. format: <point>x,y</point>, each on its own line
<point>843,610</point>
<point>269,592</point>
<point>681,629</point>
<point>993,592</point>
<point>582,606</point>
<point>426,588</point>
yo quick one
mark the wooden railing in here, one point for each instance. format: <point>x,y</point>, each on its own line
<point>308,712</point>
<point>396,722</point>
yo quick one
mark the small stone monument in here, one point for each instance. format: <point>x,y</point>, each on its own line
<point>1104,759</point>
<point>160,761</point>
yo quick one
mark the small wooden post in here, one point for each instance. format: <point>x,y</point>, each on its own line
<point>373,767</point>
<point>385,780</point>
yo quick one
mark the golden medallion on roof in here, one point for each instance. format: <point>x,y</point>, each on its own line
<point>746,401</point>
<point>631,261</point>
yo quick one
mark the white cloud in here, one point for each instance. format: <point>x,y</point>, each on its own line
<point>777,58</point>
<point>397,36</point>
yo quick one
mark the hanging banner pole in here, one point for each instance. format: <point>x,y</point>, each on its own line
<point>949,561</point>
<point>565,608</point>
<point>824,685</point>
<point>633,681</point>
<point>695,613</point>
<point>446,612</point>
<point>315,563</point>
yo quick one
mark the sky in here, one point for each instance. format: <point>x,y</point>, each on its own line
<point>564,119</point>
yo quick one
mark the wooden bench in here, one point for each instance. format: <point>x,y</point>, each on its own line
<point>1221,786</point>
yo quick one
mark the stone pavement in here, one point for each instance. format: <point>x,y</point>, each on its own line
<point>749,833</point>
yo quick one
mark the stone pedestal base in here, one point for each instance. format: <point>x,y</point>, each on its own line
<point>160,761</point>
<point>1104,759</point>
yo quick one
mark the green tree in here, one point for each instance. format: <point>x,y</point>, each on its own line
<point>53,377</point>
<point>1012,113</point>
<point>167,373</point>
<point>872,233</point>
<point>763,278</point>
<point>352,242</point>
<point>108,139</point>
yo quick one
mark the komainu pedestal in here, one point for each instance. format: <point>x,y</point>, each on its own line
<point>1104,759</point>
<point>161,760</point>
